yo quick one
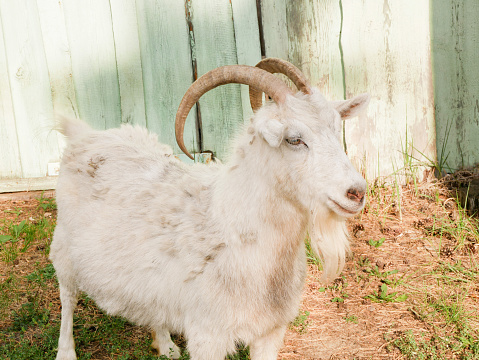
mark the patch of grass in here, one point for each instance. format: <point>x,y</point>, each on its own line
<point>351,319</point>
<point>30,314</point>
<point>17,211</point>
<point>419,347</point>
<point>460,272</point>
<point>383,295</point>
<point>376,243</point>
<point>8,295</point>
<point>301,323</point>
<point>18,237</point>
<point>38,343</point>
<point>337,289</point>
<point>437,346</point>
<point>461,230</point>
<point>40,276</point>
<point>242,353</point>
<point>453,332</point>
<point>310,255</point>
<point>47,204</point>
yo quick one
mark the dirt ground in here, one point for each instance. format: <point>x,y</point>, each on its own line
<point>397,237</point>
<point>415,246</point>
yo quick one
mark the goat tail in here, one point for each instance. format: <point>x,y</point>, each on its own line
<point>70,126</point>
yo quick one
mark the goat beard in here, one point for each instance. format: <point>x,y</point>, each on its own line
<point>330,241</point>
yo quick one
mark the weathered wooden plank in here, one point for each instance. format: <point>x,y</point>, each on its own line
<point>275,28</point>
<point>127,46</point>
<point>306,32</point>
<point>58,56</point>
<point>29,82</point>
<point>386,53</point>
<point>10,163</point>
<point>167,69</point>
<point>247,40</point>
<point>313,38</point>
<point>214,46</point>
<point>90,35</point>
<point>455,50</point>
<point>28,184</point>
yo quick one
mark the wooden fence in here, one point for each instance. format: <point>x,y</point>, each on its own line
<point>130,61</point>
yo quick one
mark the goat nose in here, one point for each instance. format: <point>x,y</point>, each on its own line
<point>355,195</point>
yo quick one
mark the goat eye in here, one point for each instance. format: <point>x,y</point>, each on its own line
<point>295,141</point>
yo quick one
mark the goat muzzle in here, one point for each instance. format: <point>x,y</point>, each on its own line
<point>355,195</point>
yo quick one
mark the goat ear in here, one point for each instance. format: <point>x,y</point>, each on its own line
<point>352,107</point>
<point>272,131</point>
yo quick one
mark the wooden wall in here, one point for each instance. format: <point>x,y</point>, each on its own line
<point>111,62</point>
<point>455,52</point>
<point>350,47</point>
<point>130,61</point>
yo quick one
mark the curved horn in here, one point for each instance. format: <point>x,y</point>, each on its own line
<point>242,74</point>
<point>275,65</point>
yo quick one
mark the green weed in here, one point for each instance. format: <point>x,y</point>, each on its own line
<point>30,314</point>
<point>41,276</point>
<point>383,295</point>
<point>351,319</point>
<point>17,211</point>
<point>420,348</point>
<point>8,295</point>
<point>310,254</point>
<point>46,204</point>
<point>21,236</point>
<point>376,243</point>
<point>300,324</point>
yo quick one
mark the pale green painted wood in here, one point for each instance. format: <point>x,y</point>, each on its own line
<point>275,28</point>
<point>59,62</point>
<point>90,35</point>
<point>247,41</point>
<point>306,33</point>
<point>214,46</point>
<point>455,54</point>
<point>127,50</point>
<point>58,56</point>
<point>30,87</point>
<point>167,69</point>
<point>10,163</point>
<point>387,53</point>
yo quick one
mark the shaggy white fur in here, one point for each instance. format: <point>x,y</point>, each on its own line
<point>214,252</point>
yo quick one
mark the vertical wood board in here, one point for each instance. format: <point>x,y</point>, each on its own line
<point>58,56</point>
<point>275,31</point>
<point>214,46</point>
<point>10,162</point>
<point>313,36</point>
<point>167,69</point>
<point>386,50</point>
<point>455,39</point>
<point>127,50</point>
<point>29,82</point>
<point>247,41</point>
<point>59,62</point>
<point>90,35</point>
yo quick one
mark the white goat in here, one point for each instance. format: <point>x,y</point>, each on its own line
<point>214,252</point>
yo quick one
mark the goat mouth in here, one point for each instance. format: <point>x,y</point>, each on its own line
<point>337,207</point>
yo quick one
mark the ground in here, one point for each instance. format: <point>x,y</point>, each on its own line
<point>410,289</point>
